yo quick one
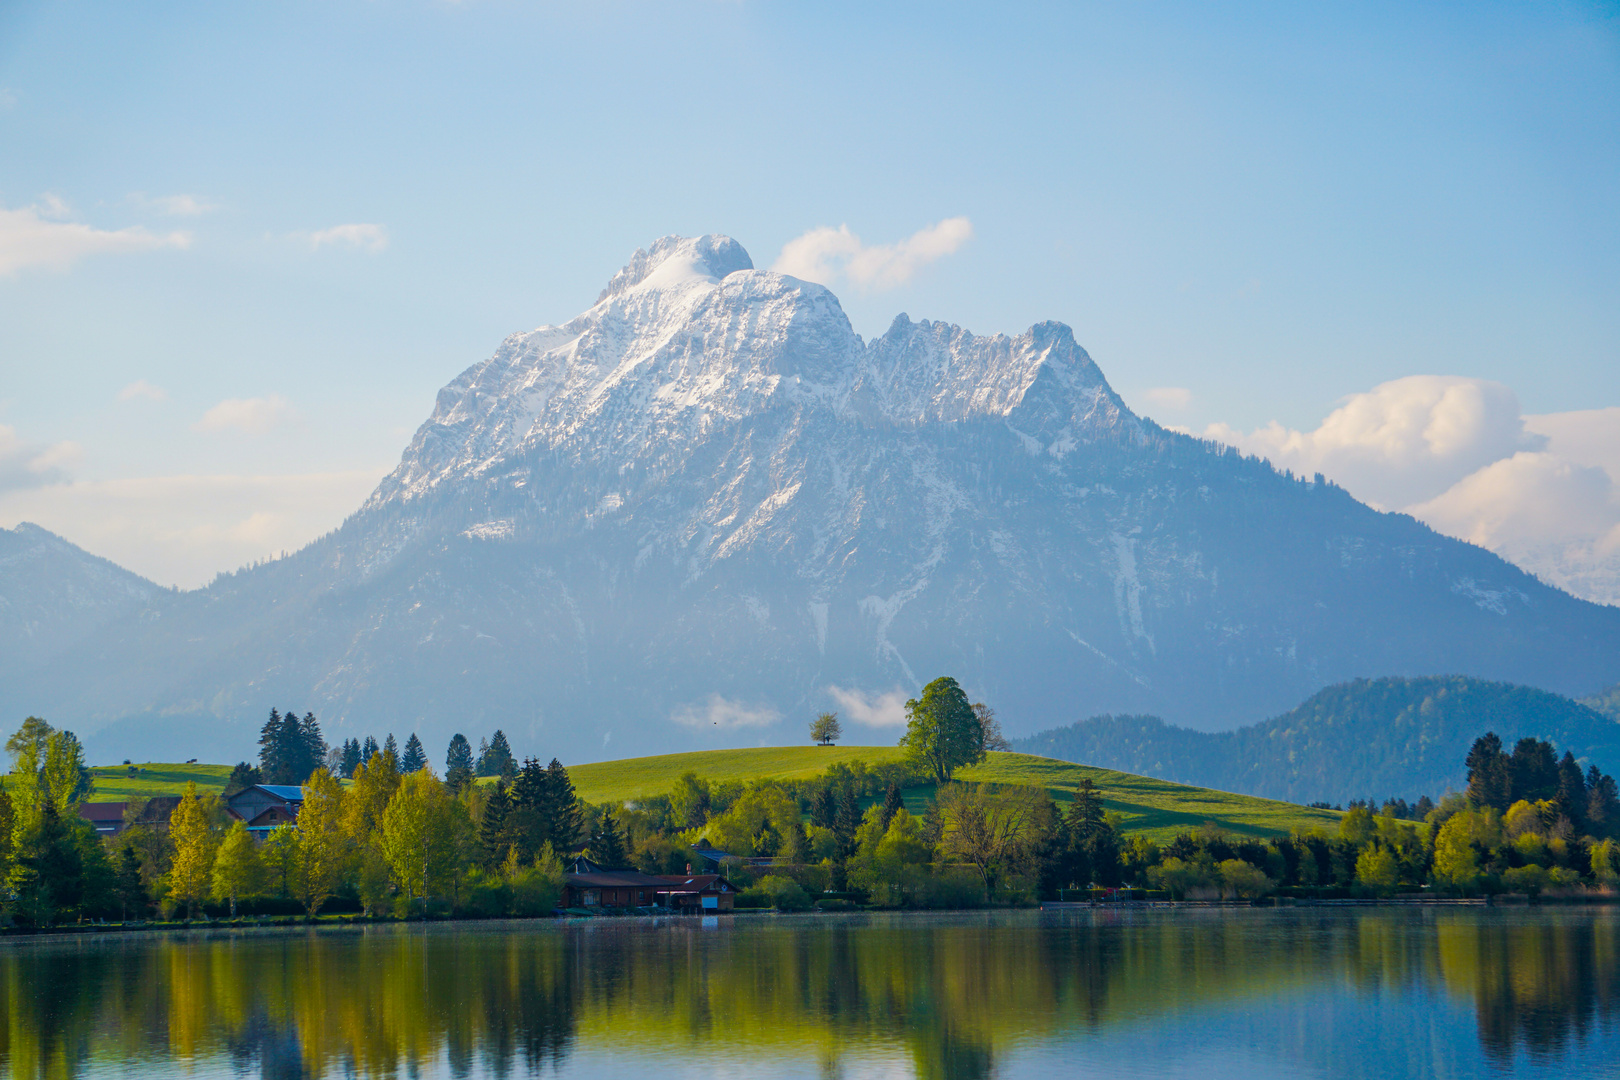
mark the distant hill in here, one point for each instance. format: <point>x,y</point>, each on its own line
<point>1369,738</point>
<point>1607,703</point>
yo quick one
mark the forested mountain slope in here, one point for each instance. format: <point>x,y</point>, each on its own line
<point>1371,738</point>
<point>687,516</point>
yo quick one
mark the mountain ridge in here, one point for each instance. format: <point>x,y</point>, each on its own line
<point>694,511</point>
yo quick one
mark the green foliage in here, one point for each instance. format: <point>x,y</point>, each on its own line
<point>458,763</point>
<point>943,732</point>
<point>290,749</point>
<point>415,759</point>
<point>825,729</point>
<point>243,776</point>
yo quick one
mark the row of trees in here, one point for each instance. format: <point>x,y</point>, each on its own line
<point>290,750</point>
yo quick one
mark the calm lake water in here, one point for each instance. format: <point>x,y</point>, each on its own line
<point>1388,992</point>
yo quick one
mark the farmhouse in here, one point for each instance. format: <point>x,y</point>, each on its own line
<point>592,886</point>
<point>266,806</point>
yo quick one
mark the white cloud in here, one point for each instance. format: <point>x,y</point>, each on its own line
<point>718,712</point>
<point>874,710</point>
<point>823,254</point>
<point>182,530</point>
<point>26,465</point>
<point>373,238</point>
<point>1401,442</point>
<point>1540,491</point>
<point>36,236</point>
<point>140,388</point>
<point>256,416</point>
<point>174,205</point>
<point>1169,397</point>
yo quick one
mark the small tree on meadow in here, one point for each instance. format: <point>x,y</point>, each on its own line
<point>825,729</point>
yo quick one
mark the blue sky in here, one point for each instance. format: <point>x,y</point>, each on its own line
<point>1247,213</point>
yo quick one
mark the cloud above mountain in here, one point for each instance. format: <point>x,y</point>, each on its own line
<point>1458,454</point>
<point>826,254</point>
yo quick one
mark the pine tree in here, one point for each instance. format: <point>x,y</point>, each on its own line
<point>892,801</point>
<point>415,759</point>
<point>1572,791</point>
<point>498,759</point>
<point>311,747</point>
<point>130,889</point>
<point>1534,770</point>
<point>351,757</point>
<point>242,777</point>
<point>369,749</point>
<point>390,748</point>
<point>481,767</point>
<point>272,747</point>
<point>824,808</point>
<point>492,835</point>
<point>528,823</point>
<point>607,846</point>
<point>1602,802</point>
<point>847,819</point>
<point>566,819</point>
<point>1489,778</point>
<point>458,763</point>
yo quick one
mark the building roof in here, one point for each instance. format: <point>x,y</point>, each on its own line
<point>617,879</point>
<point>284,792</point>
<point>103,811</point>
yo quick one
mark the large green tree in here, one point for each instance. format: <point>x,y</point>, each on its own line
<point>942,731</point>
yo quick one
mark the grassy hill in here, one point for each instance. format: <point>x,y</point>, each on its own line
<point>1158,808</point>
<point>1371,738</point>
<point>114,784</point>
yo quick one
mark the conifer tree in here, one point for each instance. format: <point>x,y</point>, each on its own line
<point>607,846</point>
<point>272,750</point>
<point>824,808</point>
<point>458,763</point>
<point>415,759</point>
<point>312,746</point>
<point>566,819</point>
<point>351,757</point>
<point>48,870</point>
<point>1572,790</point>
<point>1489,780</point>
<point>892,800</point>
<point>529,821</point>
<point>492,834</point>
<point>243,776</point>
<point>129,888</point>
<point>497,759</point>
<point>847,820</point>
<point>369,749</point>
<point>390,748</point>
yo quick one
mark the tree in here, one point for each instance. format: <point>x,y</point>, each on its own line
<point>369,749</point>
<point>893,802</point>
<point>458,763</point>
<point>273,763</point>
<point>825,729</point>
<point>607,846</point>
<point>352,757</point>
<point>238,870</point>
<point>243,776</point>
<point>321,852</point>
<point>311,747</point>
<point>492,836</point>
<point>415,759</point>
<point>1377,869</point>
<point>417,835</point>
<point>1490,782</point>
<point>987,829</point>
<point>27,749</point>
<point>566,819</point>
<point>991,727</point>
<point>129,887</point>
<point>1602,802</point>
<point>1094,842</point>
<point>48,871</point>
<point>942,731</point>
<point>391,748</point>
<point>374,784</point>
<point>495,758</point>
<point>823,808</point>
<point>193,851</point>
<point>1572,790</point>
<point>1534,769</point>
<point>281,859</point>
<point>66,779</point>
<point>689,801</point>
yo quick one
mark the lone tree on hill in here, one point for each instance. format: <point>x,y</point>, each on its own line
<point>943,732</point>
<point>825,729</point>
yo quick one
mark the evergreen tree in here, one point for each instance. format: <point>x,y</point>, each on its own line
<point>497,759</point>
<point>824,808</point>
<point>1602,803</point>
<point>1572,791</point>
<point>847,820</point>
<point>351,758</point>
<point>458,763</point>
<point>243,776</point>
<point>528,822</point>
<point>390,748</point>
<point>272,751</point>
<point>942,731</point>
<point>369,749</point>
<point>1490,781</point>
<point>607,846</point>
<point>566,819</point>
<point>129,888</point>
<point>492,835</point>
<point>892,801</point>
<point>1092,837</point>
<point>47,874</point>
<point>415,759</point>
<point>481,764</point>
<point>312,747</point>
<point>1534,769</point>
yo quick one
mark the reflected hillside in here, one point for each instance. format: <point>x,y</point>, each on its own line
<point>953,995</point>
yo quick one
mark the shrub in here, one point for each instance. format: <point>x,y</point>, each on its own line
<point>784,893</point>
<point>951,889</point>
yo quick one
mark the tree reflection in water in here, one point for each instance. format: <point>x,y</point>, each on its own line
<point>953,994</point>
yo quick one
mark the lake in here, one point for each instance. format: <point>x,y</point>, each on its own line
<point>1246,992</point>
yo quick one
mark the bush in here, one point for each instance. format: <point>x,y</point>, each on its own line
<point>951,889</point>
<point>836,904</point>
<point>784,893</point>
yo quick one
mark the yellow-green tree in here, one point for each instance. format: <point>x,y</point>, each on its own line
<point>238,870</point>
<point>27,749</point>
<point>1457,847</point>
<point>193,839</point>
<point>375,782</point>
<point>1377,869</point>
<point>64,776</point>
<point>890,861</point>
<point>322,851</point>
<point>418,835</point>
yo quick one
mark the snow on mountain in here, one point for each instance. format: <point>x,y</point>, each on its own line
<point>701,508</point>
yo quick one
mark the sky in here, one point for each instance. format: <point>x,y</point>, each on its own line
<point>242,246</point>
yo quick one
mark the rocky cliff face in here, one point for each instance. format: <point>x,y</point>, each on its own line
<point>705,510</point>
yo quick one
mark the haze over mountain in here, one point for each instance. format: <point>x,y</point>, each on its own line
<point>705,510</point>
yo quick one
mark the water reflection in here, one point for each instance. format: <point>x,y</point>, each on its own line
<point>954,997</point>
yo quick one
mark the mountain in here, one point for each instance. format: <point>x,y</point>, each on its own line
<point>689,515</point>
<point>1607,702</point>
<point>1377,738</point>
